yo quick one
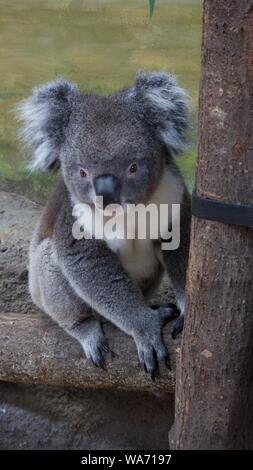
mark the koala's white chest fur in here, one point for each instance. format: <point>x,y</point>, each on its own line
<point>140,257</point>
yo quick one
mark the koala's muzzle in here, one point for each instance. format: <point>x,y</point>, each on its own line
<point>108,186</point>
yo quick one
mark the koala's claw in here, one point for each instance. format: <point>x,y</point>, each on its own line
<point>95,352</point>
<point>149,340</point>
<point>151,371</point>
<point>100,362</point>
<point>150,356</point>
<point>178,327</point>
<point>107,349</point>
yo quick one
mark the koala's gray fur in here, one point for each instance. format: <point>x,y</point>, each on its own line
<point>81,282</point>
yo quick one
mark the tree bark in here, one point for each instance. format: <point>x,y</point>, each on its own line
<point>214,388</point>
<point>37,351</point>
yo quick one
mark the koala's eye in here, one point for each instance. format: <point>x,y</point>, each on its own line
<point>83,173</point>
<point>133,168</point>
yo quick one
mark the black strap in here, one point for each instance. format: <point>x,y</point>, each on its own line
<point>226,213</point>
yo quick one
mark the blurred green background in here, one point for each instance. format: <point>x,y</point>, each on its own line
<point>100,45</point>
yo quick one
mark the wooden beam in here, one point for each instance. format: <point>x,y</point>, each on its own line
<point>37,351</point>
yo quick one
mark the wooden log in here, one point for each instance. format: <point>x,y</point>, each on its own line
<point>35,350</point>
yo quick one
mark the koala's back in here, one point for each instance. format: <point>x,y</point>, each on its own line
<point>41,250</point>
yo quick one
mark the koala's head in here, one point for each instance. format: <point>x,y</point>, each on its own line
<point>114,146</point>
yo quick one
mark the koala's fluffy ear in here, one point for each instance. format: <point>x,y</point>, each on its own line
<point>45,116</point>
<point>164,107</point>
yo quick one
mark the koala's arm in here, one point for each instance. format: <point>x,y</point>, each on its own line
<point>98,278</point>
<point>176,261</point>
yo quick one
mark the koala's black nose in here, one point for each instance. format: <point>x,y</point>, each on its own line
<point>108,186</point>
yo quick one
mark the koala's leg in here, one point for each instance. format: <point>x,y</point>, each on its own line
<point>52,292</point>
<point>98,277</point>
<point>177,277</point>
<point>148,287</point>
<point>176,264</point>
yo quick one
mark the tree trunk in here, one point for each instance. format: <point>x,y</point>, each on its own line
<point>214,391</point>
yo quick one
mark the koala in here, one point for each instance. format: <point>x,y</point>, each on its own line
<point>120,147</point>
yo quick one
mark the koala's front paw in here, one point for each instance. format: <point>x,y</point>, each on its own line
<point>178,326</point>
<point>173,312</point>
<point>169,310</point>
<point>149,341</point>
<point>95,348</point>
